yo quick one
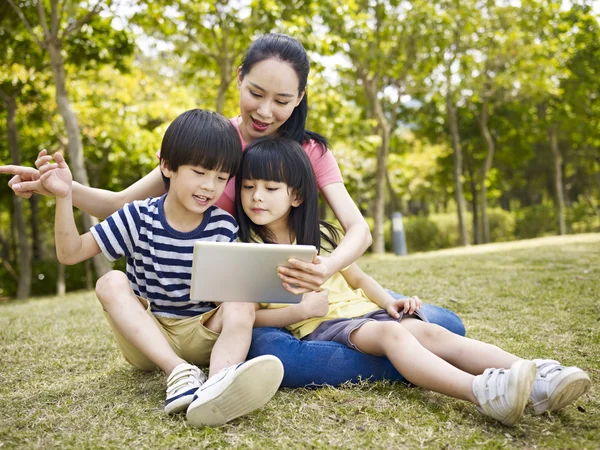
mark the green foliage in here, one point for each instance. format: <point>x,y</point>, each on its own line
<point>536,220</point>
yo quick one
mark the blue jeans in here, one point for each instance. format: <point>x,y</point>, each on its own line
<point>316,362</point>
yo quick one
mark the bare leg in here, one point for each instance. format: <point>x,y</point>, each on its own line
<point>415,362</point>
<point>469,355</point>
<point>134,324</point>
<point>234,321</point>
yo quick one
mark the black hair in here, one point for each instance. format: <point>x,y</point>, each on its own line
<point>286,49</point>
<point>274,158</point>
<point>201,138</point>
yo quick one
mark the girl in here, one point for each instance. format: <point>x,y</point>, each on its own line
<point>272,83</point>
<point>277,204</point>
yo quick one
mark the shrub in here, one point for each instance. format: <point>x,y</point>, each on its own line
<point>536,220</point>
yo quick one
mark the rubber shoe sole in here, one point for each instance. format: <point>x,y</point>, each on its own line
<point>256,383</point>
<point>568,390</point>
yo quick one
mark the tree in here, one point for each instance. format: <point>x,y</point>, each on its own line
<point>52,38</point>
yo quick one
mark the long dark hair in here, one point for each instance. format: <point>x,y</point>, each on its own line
<point>286,49</point>
<point>274,158</point>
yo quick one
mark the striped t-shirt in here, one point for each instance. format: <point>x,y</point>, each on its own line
<point>159,258</point>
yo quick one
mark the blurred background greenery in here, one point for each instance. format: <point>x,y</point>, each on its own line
<point>483,116</point>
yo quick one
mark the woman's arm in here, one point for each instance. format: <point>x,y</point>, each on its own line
<point>357,279</point>
<point>310,276</point>
<point>102,203</point>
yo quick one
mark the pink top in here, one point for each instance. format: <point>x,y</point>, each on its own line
<point>324,165</point>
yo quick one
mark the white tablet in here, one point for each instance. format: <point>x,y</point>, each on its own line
<point>243,272</point>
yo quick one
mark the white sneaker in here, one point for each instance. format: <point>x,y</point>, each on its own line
<point>236,391</point>
<point>503,393</point>
<point>182,384</point>
<point>557,386</point>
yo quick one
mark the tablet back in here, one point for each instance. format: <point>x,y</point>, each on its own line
<point>243,272</point>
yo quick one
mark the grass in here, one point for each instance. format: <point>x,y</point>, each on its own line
<point>64,384</point>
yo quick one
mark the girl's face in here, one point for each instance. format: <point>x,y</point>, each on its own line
<point>268,96</point>
<point>269,203</point>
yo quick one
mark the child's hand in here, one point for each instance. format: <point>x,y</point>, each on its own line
<point>406,305</point>
<point>315,304</point>
<point>57,178</point>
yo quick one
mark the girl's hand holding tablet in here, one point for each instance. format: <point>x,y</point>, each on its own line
<point>315,304</point>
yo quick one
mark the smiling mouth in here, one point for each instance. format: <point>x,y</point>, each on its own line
<point>258,210</point>
<point>259,124</point>
<point>201,198</point>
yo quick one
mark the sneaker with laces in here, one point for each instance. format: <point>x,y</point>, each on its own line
<point>182,384</point>
<point>235,391</point>
<point>557,386</point>
<point>503,393</point>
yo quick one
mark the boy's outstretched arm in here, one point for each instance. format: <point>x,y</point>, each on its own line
<point>71,248</point>
<point>357,279</point>
<point>313,304</point>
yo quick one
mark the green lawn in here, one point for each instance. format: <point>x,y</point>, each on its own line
<point>64,384</point>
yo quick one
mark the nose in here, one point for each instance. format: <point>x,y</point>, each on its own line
<point>265,110</point>
<point>257,195</point>
<point>208,183</point>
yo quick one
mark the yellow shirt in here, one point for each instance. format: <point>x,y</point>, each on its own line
<point>344,303</point>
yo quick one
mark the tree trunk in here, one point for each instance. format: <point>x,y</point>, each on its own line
<point>37,245</point>
<point>458,168</point>
<point>24,252</point>
<point>223,86</point>
<point>60,280</point>
<point>74,145</point>
<point>487,165</point>
<point>475,207</point>
<point>380,180</point>
<point>558,179</point>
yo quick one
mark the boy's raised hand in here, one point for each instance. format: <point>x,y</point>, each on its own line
<point>407,305</point>
<point>57,178</point>
<point>315,304</point>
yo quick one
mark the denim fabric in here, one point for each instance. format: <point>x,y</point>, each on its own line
<point>310,363</point>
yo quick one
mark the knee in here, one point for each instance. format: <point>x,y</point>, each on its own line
<point>434,333</point>
<point>394,334</point>
<point>238,314</point>
<point>110,284</point>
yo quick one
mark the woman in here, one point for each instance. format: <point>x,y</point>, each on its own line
<point>272,83</point>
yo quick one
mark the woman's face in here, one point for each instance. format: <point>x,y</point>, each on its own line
<point>268,96</point>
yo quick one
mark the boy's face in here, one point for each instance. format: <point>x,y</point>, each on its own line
<point>194,187</point>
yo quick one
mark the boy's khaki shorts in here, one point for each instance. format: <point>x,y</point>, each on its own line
<point>189,338</point>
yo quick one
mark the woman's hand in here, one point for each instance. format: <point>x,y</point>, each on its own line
<point>406,305</point>
<point>315,304</point>
<point>26,180</point>
<point>303,277</point>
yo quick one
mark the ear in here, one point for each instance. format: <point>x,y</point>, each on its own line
<point>300,97</point>
<point>296,199</point>
<point>165,170</point>
<point>239,77</point>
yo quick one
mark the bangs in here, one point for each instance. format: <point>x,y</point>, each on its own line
<point>270,161</point>
<point>202,138</point>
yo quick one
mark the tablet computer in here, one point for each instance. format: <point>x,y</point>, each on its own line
<point>243,272</point>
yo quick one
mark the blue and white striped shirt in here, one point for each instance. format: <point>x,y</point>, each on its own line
<point>159,258</point>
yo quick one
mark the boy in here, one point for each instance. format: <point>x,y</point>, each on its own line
<point>155,322</point>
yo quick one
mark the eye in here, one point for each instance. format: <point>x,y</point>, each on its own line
<point>247,186</point>
<point>272,189</point>
<point>199,172</point>
<point>223,179</point>
<point>282,103</point>
<point>255,94</point>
